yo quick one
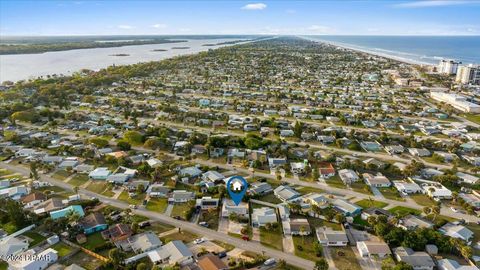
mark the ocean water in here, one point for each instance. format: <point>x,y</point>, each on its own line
<point>420,49</point>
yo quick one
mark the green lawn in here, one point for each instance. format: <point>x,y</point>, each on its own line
<point>62,249</point>
<point>78,180</point>
<point>269,198</point>
<point>61,174</point>
<point>182,236</point>
<point>391,193</point>
<point>157,205</point>
<point>86,261</point>
<point>272,238</point>
<point>224,245</point>
<point>403,211</point>
<point>304,247</point>
<point>97,186</point>
<point>211,217</point>
<point>472,117</point>
<point>181,210</point>
<point>422,199</point>
<point>94,240</point>
<point>344,258</point>
<point>366,203</point>
<point>36,237</point>
<point>137,200</point>
<point>3,265</point>
<point>335,181</point>
<point>361,187</point>
<point>317,222</point>
<point>159,227</point>
<point>9,227</point>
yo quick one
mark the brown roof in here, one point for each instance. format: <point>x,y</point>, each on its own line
<point>51,204</point>
<point>93,220</point>
<point>35,196</point>
<point>211,262</point>
<point>117,231</point>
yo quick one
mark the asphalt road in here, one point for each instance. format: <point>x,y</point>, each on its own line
<point>184,225</point>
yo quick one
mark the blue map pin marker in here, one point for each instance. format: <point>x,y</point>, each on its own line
<point>237,187</point>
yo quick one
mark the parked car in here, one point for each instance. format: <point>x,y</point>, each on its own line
<point>132,206</point>
<point>144,224</point>
<point>222,254</point>
<point>203,224</point>
<point>270,262</point>
<point>198,241</point>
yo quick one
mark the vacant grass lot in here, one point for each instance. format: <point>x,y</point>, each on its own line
<point>184,236</point>
<point>211,217</point>
<point>62,249</point>
<point>366,203</point>
<point>78,180</point>
<point>157,205</point>
<point>272,238</point>
<point>137,199</point>
<point>422,199</point>
<point>61,174</point>
<point>181,210</point>
<point>403,211</point>
<point>36,238</point>
<point>391,193</point>
<point>304,247</point>
<point>86,261</point>
<point>344,258</point>
<point>94,240</point>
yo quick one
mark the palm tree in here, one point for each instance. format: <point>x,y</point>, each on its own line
<point>76,189</point>
<point>302,233</point>
<point>435,211</point>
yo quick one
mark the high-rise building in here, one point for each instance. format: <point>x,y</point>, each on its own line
<point>468,74</point>
<point>447,66</point>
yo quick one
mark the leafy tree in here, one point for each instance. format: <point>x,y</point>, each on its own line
<point>133,137</point>
<point>321,264</point>
<point>99,142</point>
<point>124,145</point>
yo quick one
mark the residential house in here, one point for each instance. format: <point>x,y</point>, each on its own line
<point>28,261</point>
<point>12,246</point>
<point>394,149</point>
<point>455,230</point>
<point>262,216</point>
<point>83,168</point>
<point>326,170</point>
<point>419,260</point>
<point>345,207</point>
<point>375,212</point>
<point>348,176</point>
<point>174,252</point>
<point>15,193</point>
<point>229,207</point>
<point>158,191</point>
<point>212,262</point>
<point>371,146</point>
<point>376,180</point>
<point>190,172</point>
<point>286,193</point>
<point>260,188</point>
<point>417,152</point>
<point>330,238</point>
<point>373,249</point>
<point>299,226</point>
<point>66,211</point>
<point>140,243</point>
<point>407,187</point>
<point>470,199</point>
<point>297,167</point>
<point>181,196</point>
<point>52,204</point>
<point>212,176</point>
<point>94,222</point>
<point>33,199</point>
<point>100,173</point>
<point>412,222</point>
<point>276,162</point>
<point>467,178</point>
<point>375,163</point>
<point>437,191</point>
<point>449,264</point>
<point>206,203</point>
<point>117,232</point>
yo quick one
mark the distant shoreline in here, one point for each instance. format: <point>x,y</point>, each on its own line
<point>367,51</point>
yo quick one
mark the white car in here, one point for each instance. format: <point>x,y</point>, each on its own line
<point>454,209</point>
<point>133,206</point>
<point>270,262</point>
<point>198,241</point>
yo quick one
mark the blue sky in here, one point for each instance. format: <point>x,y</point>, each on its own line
<point>438,17</point>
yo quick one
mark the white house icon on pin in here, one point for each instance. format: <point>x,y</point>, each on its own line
<point>237,185</point>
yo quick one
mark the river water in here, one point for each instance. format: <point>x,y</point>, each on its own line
<point>26,66</point>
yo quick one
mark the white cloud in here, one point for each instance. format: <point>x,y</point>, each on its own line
<point>256,6</point>
<point>319,29</point>
<point>291,11</point>
<point>434,3</point>
<point>159,26</point>
<point>125,27</point>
